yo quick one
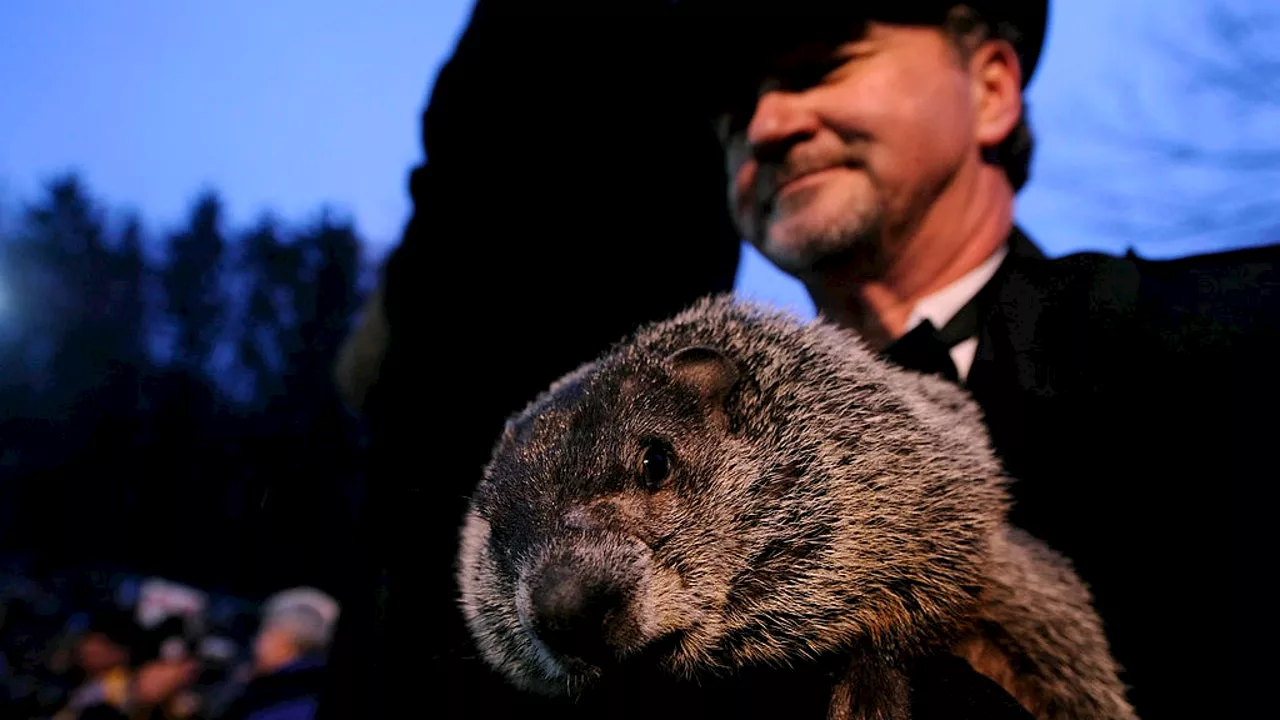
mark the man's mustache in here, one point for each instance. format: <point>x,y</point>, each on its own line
<point>772,177</point>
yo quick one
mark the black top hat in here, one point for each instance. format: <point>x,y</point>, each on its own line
<point>727,39</point>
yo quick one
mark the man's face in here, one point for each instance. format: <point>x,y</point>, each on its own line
<point>844,147</point>
<point>98,653</point>
<point>273,648</point>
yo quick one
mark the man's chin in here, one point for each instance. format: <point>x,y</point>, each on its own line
<point>798,256</point>
<point>802,246</point>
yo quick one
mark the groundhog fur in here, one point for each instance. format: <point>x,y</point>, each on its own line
<point>732,491</point>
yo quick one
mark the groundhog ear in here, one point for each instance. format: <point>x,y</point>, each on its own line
<point>706,369</point>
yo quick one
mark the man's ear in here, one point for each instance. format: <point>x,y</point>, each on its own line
<point>997,91</point>
<point>707,371</point>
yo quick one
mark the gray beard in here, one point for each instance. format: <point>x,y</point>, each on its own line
<point>854,253</point>
<point>861,258</point>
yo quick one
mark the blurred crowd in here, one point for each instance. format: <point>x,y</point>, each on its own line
<point>152,649</point>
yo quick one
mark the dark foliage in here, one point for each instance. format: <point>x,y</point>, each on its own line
<point>166,404</point>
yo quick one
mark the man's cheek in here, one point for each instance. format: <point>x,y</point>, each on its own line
<point>743,189</point>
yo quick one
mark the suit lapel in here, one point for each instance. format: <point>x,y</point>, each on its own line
<point>1009,367</point>
<point>1008,306</point>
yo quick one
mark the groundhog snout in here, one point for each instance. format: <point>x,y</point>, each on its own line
<point>578,614</point>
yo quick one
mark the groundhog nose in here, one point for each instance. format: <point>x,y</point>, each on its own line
<point>573,612</point>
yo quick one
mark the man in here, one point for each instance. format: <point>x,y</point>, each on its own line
<point>104,656</point>
<point>874,153</point>
<point>289,654</point>
<point>571,193</point>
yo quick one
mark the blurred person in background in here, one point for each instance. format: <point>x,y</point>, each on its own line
<point>125,676</point>
<point>102,659</point>
<point>162,688</point>
<point>167,671</point>
<point>38,665</point>
<point>289,655</point>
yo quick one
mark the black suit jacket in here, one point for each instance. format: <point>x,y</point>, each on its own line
<point>1134,403</point>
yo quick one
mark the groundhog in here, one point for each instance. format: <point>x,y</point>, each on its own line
<point>733,489</point>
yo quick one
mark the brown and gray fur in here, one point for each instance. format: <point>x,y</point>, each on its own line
<point>820,503</point>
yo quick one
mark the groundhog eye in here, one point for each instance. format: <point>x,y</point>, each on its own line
<point>655,466</point>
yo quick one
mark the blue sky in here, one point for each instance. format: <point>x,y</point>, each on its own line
<point>284,105</point>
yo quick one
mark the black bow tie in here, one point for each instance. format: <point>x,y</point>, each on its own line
<point>928,350</point>
<point>923,350</point>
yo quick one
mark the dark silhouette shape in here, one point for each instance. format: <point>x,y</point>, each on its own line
<point>568,197</point>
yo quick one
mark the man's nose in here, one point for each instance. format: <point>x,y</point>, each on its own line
<point>780,121</point>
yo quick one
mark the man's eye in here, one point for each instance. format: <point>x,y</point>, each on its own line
<point>813,74</point>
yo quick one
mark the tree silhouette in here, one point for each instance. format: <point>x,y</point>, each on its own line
<point>75,309</point>
<point>193,285</point>
<point>316,441</point>
<point>131,284</point>
<point>176,417</point>
<point>264,267</point>
<point>172,417</point>
<point>326,296</point>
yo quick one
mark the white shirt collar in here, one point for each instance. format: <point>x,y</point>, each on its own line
<point>939,307</point>
<point>942,305</point>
